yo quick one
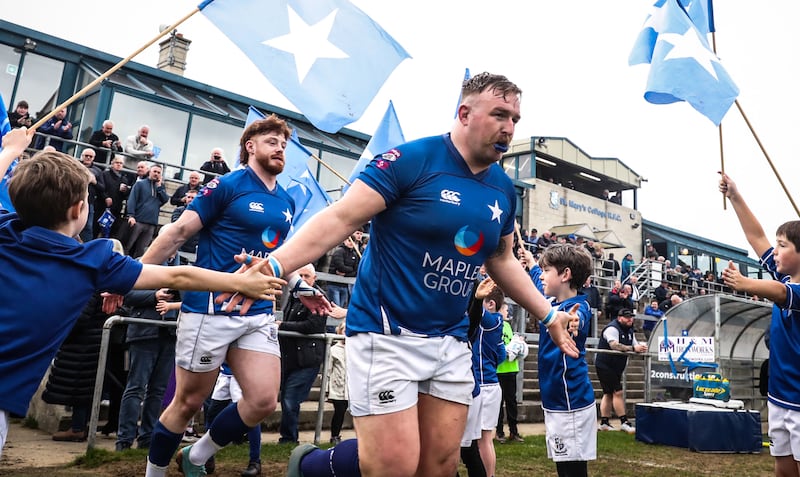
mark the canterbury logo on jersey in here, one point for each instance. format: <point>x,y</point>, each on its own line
<point>256,207</point>
<point>450,197</point>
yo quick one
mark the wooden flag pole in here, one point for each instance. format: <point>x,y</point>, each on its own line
<point>769,161</point>
<point>719,128</point>
<point>111,71</point>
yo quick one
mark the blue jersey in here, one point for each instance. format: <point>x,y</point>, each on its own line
<point>564,381</point>
<point>784,341</point>
<point>425,251</point>
<point>488,349</point>
<point>239,214</point>
<point>47,280</point>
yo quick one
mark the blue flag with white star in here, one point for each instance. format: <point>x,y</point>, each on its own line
<point>388,135</point>
<point>682,65</point>
<point>309,197</point>
<point>326,56</point>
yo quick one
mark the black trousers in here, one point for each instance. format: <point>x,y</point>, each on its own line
<point>508,385</point>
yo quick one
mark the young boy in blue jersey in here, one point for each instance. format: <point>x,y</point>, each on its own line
<point>48,276</point>
<point>570,413</point>
<point>782,261</point>
<point>488,350</point>
<point>243,211</point>
<point>440,207</point>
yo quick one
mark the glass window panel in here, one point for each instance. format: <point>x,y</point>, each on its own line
<point>167,127</point>
<point>39,83</point>
<point>524,166</point>
<point>9,61</point>
<point>704,263</point>
<point>85,116</point>
<point>509,164</point>
<point>206,134</point>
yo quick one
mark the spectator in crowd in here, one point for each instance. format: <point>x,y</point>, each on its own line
<point>57,126</point>
<point>595,302</point>
<point>188,249</point>
<point>243,210</point>
<point>72,375</point>
<point>179,197</point>
<point>426,426</point>
<point>216,165</point>
<point>344,263</point>
<point>142,170</point>
<point>139,145</point>
<point>695,280</point>
<point>20,116</point>
<point>654,313</point>
<point>544,240</point>
<point>616,198</point>
<point>300,357</point>
<point>619,301</point>
<point>668,303</point>
<point>337,384</point>
<point>105,142</point>
<point>507,372</point>
<point>632,282</point>
<point>144,205</point>
<point>627,266</point>
<point>570,414</point>
<point>117,189</point>
<point>151,351</point>
<point>662,291</point>
<point>97,190</point>
<point>227,391</point>
<point>39,254</point>
<point>533,237</point>
<point>618,335</point>
<point>606,195</point>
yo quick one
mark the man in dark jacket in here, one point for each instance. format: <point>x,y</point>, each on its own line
<point>344,262</point>
<point>300,358</point>
<point>105,142</point>
<point>144,205</point>
<point>152,358</point>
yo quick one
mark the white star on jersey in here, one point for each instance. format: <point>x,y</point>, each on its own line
<point>307,42</point>
<point>496,211</point>
<point>288,214</point>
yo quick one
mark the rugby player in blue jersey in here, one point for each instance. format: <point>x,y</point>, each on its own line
<point>440,207</point>
<point>48,276</point>
<point>245,211</point>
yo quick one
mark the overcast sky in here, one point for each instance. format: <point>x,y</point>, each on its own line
<point>570,59</point>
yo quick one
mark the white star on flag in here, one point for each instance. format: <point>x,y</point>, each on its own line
<point>307,42</point>
<point>689,45</point>
<point>496,211</point>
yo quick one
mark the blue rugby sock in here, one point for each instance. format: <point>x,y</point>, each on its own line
<point>163,445</point>
<point>338,461</point>
<point>228,425</point>
<point>254,438</point>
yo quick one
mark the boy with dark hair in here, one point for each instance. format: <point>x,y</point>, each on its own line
<point>39,254</point>
<point>567,394</point>
<point>782,262</point>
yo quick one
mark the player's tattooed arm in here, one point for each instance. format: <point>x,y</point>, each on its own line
<point>501,248</point>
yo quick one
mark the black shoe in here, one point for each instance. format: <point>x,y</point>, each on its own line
<point>336,440</point>
<point>211,465</point>
<point>122,446</point>
<point>253,470</point>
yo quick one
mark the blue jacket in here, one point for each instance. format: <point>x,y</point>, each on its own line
<point>142,304</point>
<point>146,200</point>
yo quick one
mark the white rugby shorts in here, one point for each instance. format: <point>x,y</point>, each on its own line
<point>784,431</point>
<point>571,435</point>
<point>203,340</point>
<point>386,372</point>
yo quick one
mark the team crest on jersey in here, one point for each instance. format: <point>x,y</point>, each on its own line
<point>391,155</point>
<point>270,238</point>
<point>468,241</point>
<point>209,188</point>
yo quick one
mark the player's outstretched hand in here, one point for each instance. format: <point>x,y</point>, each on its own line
<point>260,284</point>
<point>561,335</point>
<point>111,302</point>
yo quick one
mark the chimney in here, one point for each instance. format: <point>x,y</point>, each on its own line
<point>172,53</point>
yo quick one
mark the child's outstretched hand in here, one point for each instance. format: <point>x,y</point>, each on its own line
<point>732,277</point>
<point>484,288</point>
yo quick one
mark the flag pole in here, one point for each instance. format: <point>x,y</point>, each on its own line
<point>769,161</point>
<point>330,168</point>
<point>111,71</point>
<point>719,128</point>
